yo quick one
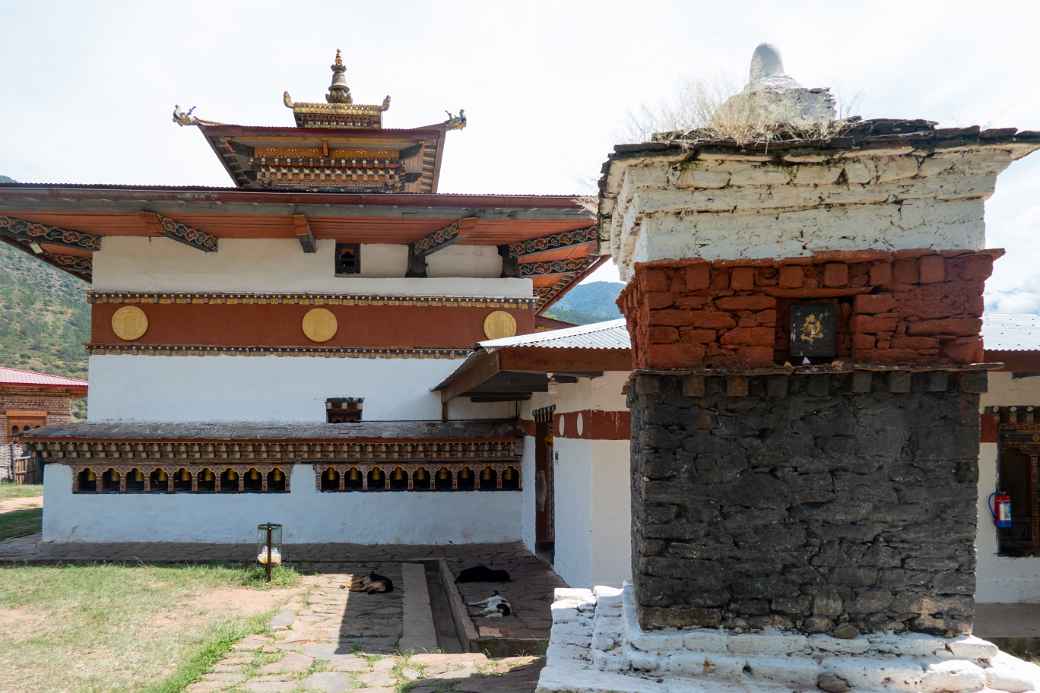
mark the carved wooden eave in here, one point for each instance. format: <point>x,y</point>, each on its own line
<point>443,237</point>
<point>548,295</point>
<point>587,238</point>
<point>47,241</point>
<point>180,232</point>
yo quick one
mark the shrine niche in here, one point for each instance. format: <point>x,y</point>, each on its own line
<point>408,477</point>
<point>166,479</point>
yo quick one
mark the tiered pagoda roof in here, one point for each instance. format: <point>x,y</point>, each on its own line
<point>336,146</point>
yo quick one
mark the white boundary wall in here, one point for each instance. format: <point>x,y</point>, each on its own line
<point>1001,578</point>
<point>592,505</point>
<point>307,514</point>
<point>271,388</point>
<point>277,265</point>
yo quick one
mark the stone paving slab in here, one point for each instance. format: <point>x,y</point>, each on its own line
<point>331,639</point>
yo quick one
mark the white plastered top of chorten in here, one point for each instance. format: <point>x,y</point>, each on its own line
<point>812,184</point>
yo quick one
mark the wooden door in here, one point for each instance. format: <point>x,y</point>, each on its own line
<point>545,531</point>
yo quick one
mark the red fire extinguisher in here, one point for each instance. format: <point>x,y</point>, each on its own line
<point>1000,509</point>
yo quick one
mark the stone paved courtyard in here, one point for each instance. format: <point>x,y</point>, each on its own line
<point>331,639</point>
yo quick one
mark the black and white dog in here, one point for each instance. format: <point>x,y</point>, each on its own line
<point>495,606</point>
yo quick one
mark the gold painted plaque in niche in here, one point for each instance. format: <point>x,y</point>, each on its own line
<point>499,324</point>
<point>129,323</point>
<point>320,325</point>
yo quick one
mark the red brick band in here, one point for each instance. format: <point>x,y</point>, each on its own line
<point>907,307</point>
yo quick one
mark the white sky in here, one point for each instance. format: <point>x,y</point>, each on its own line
<point>87,88</point>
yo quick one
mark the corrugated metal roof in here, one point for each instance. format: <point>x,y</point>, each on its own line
<point>612,334</point>
<point>1011,332</point>
<point>14,376</point>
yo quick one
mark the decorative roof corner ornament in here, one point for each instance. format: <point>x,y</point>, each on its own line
<point>772,97</point>
<point>455,122</point>
<point>183,118</point>
<point>386,103</point>
<point>287,100</point>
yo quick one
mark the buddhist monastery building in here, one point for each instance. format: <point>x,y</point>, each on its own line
<point>269,351</point>
<point>30,400</point>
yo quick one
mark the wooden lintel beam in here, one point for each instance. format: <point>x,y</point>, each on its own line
<point>564,239</point>
<point>28,232</point>
<point>80,265</point>
<point>483,367</point>
<point>443,237</point>
<point>180,232</point>
<point>304,234</point>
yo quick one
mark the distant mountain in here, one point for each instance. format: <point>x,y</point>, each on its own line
<point>585,303</point>
<point>44,316</point>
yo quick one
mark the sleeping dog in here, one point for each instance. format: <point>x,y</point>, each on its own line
<point>495,606</point>
<point>372,583</point>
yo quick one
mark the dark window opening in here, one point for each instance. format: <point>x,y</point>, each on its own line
<point>443,479</point>
<point>343,409</point>
<point>110,481</point>
<point>276,481</point>
<point>467,480</point>
<point>207,482</point>
<point>134,481</point>
<point>510,479</point>
<point>348,258</point>
<point>398,480</point>
<point>330,480</point>
<point>1018,476</point>
<point>87,481</point>
<point>421,480</point>
<point>158,481</point>
<point>488,479</point>
<point>376,480</point>
<point>182,481</point>
<point>229,481</point>
<point>254,481</point>
<point>355,481</point>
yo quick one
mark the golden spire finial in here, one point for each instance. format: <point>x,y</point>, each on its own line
<point>339,58</point>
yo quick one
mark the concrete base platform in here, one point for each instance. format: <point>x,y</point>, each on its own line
<point>597,646</point>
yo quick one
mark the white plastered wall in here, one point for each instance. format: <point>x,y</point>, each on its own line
<point>592,505</point>
<point>1001,578</point>
<point>271,388</point>
<point>307,515</point>
<point>593,511</point>
<point>277,265</point>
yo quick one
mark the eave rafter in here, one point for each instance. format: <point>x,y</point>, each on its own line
<point>180,232</point>
<point>538,269</point>
<point>548,295</point>
<point>27,232</point>
<point>443,237</point>
<point>80,265</point>
<point>304,234</point>
<point>564,239</point>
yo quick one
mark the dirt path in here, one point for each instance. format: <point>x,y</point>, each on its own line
<point>11,504</point>
<point>331,639</point>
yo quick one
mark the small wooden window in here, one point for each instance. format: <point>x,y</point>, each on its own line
<point>343,409</point>
<point>348,259</point>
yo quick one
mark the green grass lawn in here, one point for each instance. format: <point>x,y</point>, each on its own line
<point>126,628</point>
<point>20,523</point>
<point>20,491</point>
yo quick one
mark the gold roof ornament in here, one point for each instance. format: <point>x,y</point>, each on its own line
<point>340,111</point>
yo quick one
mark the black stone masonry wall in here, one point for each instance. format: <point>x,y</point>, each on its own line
<point>838,504</point>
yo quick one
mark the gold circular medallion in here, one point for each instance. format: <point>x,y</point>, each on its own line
<point>499,324</point>
<point>129,323</point>
<point>320,325</point>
